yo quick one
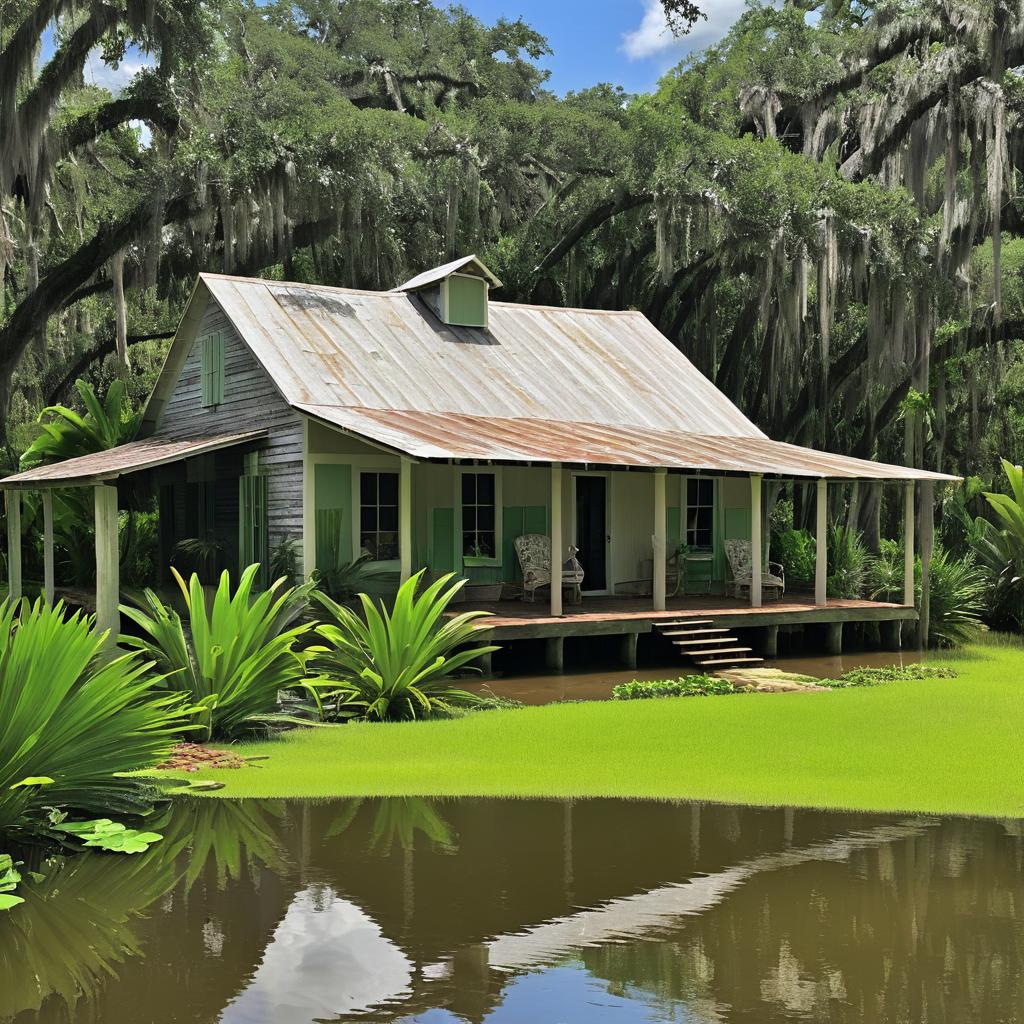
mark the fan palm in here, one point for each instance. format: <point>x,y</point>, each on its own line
<point>398,664</point>
<point>72,722</point>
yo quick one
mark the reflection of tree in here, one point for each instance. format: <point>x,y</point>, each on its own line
<point>75,927</point>
<point>78,923</point>
<point>396,822</point>
<point>924,927</point>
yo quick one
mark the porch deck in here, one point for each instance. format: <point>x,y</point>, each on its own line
<point>596,616</point>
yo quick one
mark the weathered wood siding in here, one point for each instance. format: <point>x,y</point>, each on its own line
<point>251,402</point>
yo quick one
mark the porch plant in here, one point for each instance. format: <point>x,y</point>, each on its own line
<point>396,664</point>
<point>239,651</point>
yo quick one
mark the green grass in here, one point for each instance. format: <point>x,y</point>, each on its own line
<point>940,745</point>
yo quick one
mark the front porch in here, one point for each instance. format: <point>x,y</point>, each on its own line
<point>631,617</point>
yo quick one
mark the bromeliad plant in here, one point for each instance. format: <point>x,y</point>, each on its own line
<point>238,653</point>
<point>71,722</point>
<point>398,664</point>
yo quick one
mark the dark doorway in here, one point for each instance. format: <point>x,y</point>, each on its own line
<point>592,530</point>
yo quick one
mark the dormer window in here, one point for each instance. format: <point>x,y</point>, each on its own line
<point>457,292</point>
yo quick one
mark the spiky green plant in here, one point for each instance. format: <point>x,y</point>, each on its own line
<point>68,434</point>
<point>398,664</point>
<point>238,653</point>
<point>71,721</point>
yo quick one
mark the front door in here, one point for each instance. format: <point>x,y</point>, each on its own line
<point>592,531</point>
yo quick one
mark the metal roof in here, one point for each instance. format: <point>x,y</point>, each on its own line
<point>451,435</point>
<point>126,458</point>
<point>439,273</point>
<point>386,350</point>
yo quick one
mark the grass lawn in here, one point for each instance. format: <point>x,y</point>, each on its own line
<point>941,745</point>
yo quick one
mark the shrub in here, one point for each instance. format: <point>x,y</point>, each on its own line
<point>72,721</point>
<point>397,664</point>
<point>238,653</point>
<point>848,563</point>
<point>687,686</point>
<point>888,674</point>
<point>796,550</point>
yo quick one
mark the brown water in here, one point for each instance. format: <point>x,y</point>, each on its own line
<point>527,911</point>
<point>596,683</point>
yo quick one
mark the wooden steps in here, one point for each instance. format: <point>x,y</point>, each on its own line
<point>708,645</point>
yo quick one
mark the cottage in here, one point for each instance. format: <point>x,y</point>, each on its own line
<point>430,426</point>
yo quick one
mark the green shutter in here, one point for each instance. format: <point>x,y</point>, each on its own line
<point>212,368</point>
<point>332,502</point>
<point>253,542</point>
<point>442,558</point>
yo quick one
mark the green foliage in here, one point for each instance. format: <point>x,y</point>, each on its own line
<point>849,562</point>
<point>66,434</point>
<point>74,718</point>
<point>9,879</point>
<point>797,551</point>
<point>891,674</point>
<point>1000,548</point>
<point>105,834</point>
<point>686,686</point>
<point>397,664</point>
<point>284,561</point>
<point>238,652</point>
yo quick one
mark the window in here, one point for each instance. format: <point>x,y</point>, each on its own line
<point>700,512</point>
<point>378,515</point>
<point>479,511</point>
<point>212,358</point>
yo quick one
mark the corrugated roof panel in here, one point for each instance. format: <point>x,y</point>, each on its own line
<point>456,436</point>
<point>386,350</point>
<point>126,458</point>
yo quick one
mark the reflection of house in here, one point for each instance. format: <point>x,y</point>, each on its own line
<point>430,426</point>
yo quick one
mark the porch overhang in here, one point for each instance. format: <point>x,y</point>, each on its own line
<point>102,467</point>
<point>444,436</point>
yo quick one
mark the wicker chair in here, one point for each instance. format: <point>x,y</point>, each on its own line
<point>740,567</point>
<point>534,553</point>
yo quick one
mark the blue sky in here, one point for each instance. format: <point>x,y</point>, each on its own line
<point>620,41</point>
<point>624,42</point>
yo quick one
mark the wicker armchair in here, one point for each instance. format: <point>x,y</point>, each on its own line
<point>741,568</point>
<point>534,553</point>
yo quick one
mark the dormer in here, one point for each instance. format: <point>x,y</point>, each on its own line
<point>456,292</point>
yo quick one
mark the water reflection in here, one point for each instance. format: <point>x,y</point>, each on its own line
<point>474,910</point>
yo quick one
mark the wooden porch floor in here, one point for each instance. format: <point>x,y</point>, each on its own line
<point>610,615</point>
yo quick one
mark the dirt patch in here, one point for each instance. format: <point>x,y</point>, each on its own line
<point>771,680</point>
<point>193,757</point>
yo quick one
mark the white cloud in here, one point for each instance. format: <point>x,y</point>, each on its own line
<point>115,79</point>
<point>653,38</point>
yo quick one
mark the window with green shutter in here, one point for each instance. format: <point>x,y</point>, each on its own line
<point>212,355</point>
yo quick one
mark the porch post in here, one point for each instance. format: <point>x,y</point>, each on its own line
<point>756,568</point>
<point>405,518</point>
<point>927,548</point>
<point>107,572</point>
<point>556,538</point>
<point>821,546</point>
<point>658,583</point>
<point>13,499</point>
<point>48,588</point>
<point>908,543</point>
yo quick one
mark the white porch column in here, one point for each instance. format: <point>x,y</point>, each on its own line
<point>756,567</point>
<point>48,588</point>
<point>908,543</point>
<point>13,500</point>
<point>557,551</point>
<point>107,562</point>
<point>405,518</point>
<point>821,546</point>
<point>658,583</point>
